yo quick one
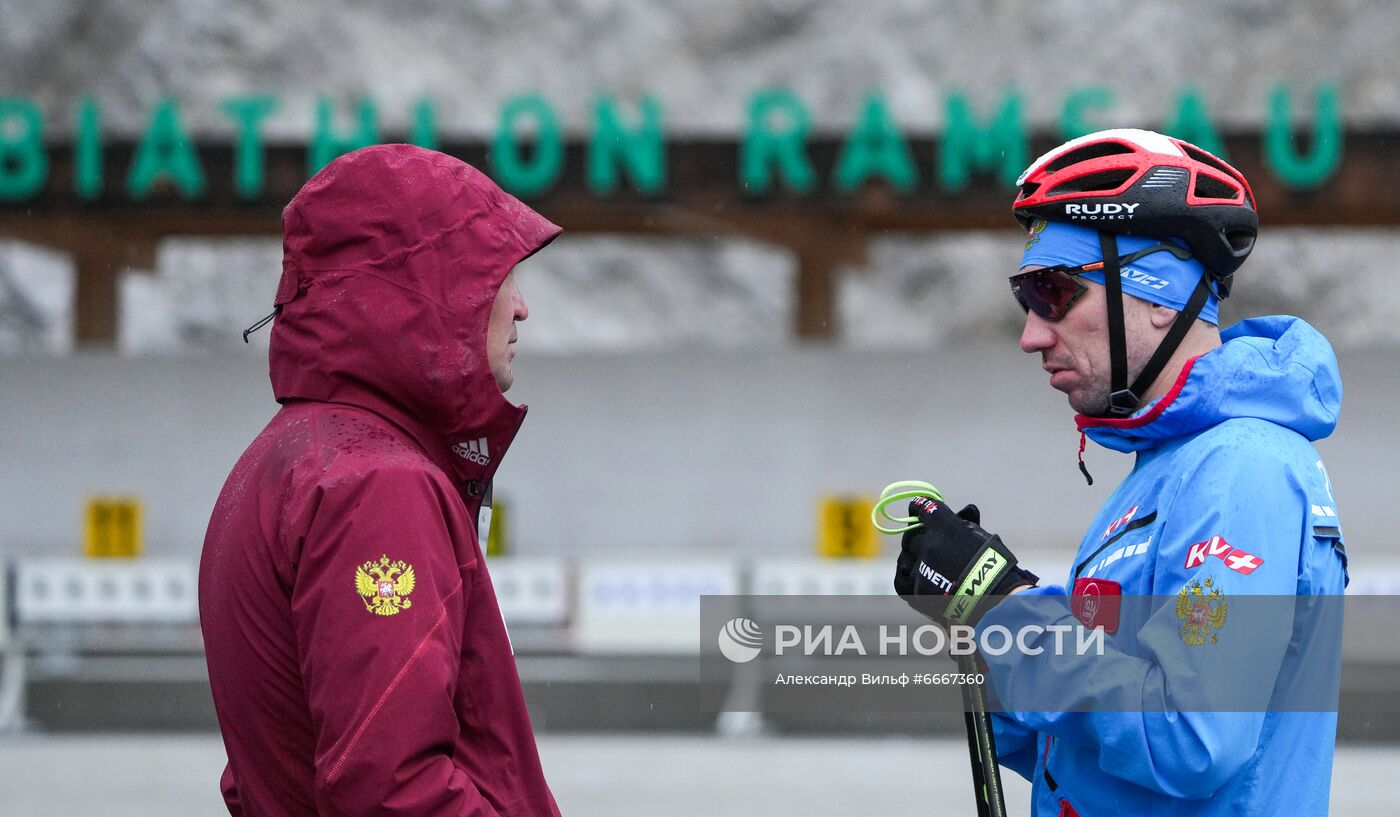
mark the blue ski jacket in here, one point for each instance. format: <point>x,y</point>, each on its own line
<point>1227,494</point>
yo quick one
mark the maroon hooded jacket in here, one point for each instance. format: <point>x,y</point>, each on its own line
<point>357,655</point>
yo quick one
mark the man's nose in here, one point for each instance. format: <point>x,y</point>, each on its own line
<point>522,309</point>
<point>1037,336</point>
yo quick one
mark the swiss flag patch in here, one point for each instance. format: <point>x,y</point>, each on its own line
<point>1242,562</point>
<point>1237,560</point>
<point>1096,602</point>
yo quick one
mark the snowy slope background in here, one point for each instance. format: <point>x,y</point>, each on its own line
<point>700,57</point>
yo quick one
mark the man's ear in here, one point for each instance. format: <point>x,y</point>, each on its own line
<point>1162,316</point>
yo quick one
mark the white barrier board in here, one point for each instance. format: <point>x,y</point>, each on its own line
<point>647,607</point>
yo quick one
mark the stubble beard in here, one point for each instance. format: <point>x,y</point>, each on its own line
<point>1091,400</point>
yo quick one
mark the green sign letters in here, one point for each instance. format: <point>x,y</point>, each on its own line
<point>626,145</point>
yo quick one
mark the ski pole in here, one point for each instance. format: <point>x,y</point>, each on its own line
<point>981,745</point>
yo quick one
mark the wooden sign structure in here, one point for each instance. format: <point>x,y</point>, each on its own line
<point>824,226</point>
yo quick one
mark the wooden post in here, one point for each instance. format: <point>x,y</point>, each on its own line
<point>815,312</point>
<point>99,256</point>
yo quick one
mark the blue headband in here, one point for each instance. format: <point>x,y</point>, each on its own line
<point>1159,277</point>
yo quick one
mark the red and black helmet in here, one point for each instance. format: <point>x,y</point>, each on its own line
<point>1138,182</point>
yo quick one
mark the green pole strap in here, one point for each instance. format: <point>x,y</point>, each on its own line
<point>902,491</point>
<point>986,569</point>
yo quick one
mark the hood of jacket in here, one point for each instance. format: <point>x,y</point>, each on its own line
<point>392,257</point>
<point>1276,368</point>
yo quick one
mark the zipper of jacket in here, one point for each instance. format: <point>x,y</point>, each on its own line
<point>1136,524</point>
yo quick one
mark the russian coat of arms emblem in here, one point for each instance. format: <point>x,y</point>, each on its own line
<point>384,586</point>
<point>1201,608</point>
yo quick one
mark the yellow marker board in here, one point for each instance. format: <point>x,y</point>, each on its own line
<point>843,527</point>
<point>496,542</point>
<point>112,527</point>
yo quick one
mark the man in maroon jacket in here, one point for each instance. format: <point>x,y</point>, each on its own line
<point>357,655</point>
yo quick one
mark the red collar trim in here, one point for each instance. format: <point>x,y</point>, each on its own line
<point>1082,422</point>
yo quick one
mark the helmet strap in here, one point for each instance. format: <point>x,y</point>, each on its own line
<point>1123,399</point>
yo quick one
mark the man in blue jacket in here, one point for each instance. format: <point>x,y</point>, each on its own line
<point>1133,238</point>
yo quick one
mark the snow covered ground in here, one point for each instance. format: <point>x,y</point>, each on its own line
<point>676,776</point>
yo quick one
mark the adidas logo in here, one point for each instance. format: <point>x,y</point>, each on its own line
<point>473,451</point>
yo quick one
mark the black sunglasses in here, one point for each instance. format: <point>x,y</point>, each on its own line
<point>1050,292</point>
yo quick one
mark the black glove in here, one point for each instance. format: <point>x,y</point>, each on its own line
<point>949,564</point>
